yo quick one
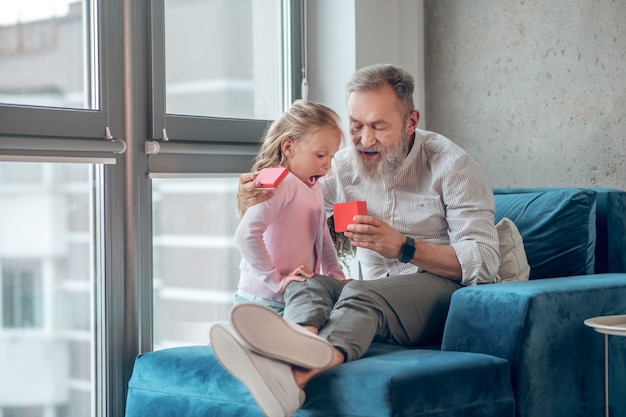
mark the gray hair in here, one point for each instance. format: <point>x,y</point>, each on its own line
<point>374,77</point>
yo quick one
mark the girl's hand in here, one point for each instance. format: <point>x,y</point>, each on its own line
<point>299,274</point>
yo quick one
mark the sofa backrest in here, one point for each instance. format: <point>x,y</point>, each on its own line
<point>568,231</point>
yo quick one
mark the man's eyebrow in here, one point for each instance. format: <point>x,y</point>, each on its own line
<point>373,122</point>
<point>378,122</point>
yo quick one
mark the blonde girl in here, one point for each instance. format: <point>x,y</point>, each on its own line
<point>286,237</point>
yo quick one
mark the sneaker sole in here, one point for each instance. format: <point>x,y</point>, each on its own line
<point>269,334</point>
<point>250,368</point>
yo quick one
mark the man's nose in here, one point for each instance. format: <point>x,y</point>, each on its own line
<point>368,137</point>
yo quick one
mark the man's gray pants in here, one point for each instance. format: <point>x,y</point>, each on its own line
<point>407,310</point>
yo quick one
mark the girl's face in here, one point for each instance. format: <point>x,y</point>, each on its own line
<point>310,159</point>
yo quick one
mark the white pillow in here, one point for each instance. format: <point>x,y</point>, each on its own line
<point>513,262</point>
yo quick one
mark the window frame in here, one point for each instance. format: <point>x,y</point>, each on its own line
<point>216,129</point>
<point>79,125</point>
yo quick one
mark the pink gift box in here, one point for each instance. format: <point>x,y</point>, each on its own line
<point>343,213</point>
<point>270,177</point>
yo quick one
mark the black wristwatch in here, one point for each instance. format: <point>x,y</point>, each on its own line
<point>408,250</point>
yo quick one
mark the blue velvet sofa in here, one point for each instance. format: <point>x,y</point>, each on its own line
<point>508,349</point>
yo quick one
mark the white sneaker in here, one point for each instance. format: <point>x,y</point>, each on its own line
<point>270,382</point>
<point>266,332</point>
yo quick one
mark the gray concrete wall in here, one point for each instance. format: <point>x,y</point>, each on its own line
<point>535,90</point>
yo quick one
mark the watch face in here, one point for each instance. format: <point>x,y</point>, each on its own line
<point>408,250</point>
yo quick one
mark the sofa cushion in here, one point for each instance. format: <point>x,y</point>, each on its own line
<point>557,226</point>
<point>188,381</point>
<point>414,382</point>
<point>513,262</point>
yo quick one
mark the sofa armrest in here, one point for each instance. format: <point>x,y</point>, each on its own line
<point>556,361</point>
<point>610,230</point>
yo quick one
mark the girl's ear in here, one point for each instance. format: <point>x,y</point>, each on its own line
<point>287,146</point>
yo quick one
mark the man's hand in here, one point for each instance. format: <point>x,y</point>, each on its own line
<point>249,193</point>
<point>372,233</point>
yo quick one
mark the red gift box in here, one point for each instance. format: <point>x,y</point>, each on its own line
<point>270,177</point>
<point>343,213</point>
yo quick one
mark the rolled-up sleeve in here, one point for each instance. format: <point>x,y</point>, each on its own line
<point>470,213</point>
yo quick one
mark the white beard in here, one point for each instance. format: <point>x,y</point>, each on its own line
<point>389,163</point>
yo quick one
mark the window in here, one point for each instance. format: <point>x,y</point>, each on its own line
<point>228,67</point>
<point>247,84</point>
<point>86,284</point>
<point>230,70</point>
<point>60,115</point>
<point>35,35</point>
<point>195,259</point>
<point>47,282</point>
<point>53,70</point>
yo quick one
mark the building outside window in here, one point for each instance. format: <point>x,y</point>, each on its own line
<point>22,295</point>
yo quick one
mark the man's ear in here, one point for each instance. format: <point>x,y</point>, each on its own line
<point>412,121</point>
<point>286,146</point>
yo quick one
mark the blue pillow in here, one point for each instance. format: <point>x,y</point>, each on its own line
<point>557,226</point>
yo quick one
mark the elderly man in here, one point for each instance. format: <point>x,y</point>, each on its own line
<point>429,231</point>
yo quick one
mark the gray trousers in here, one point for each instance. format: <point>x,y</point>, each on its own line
<point>407,310</point>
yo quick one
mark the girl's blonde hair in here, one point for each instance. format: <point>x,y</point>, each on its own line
<point>301,120</point>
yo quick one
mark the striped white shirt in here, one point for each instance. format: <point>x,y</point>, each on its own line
<point>439,195</point>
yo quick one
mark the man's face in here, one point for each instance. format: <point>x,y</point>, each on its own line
<point>379,131</point>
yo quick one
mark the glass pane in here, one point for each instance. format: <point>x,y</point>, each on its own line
<point>44,58</point>
<point>223,58</point>
<point>196,262</point>
<point>46,289</point>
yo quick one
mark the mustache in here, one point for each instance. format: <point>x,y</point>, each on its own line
<point>377,149</point>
